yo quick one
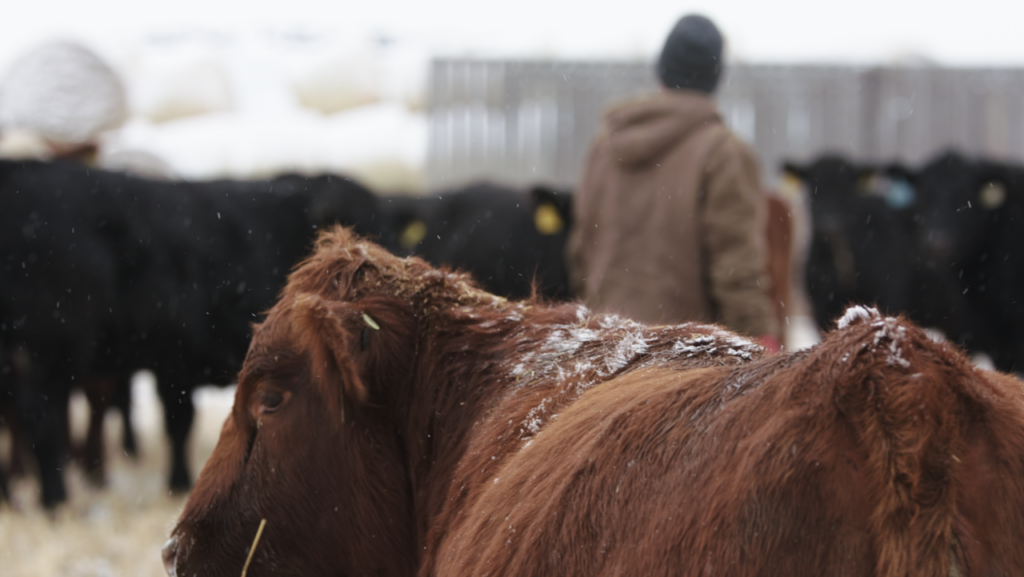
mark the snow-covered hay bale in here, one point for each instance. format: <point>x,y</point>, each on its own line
<point>339,81</point>
<point>64,92</point>
<point>383,144</point>
<point>181,85</point>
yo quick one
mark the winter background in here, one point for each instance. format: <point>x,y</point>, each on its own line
<point>238,89</point>
<point>248,89</point>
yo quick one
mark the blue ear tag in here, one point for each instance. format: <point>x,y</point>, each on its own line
<point>900,194</point>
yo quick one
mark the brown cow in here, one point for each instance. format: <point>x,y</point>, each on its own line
<point>393,419</point>
<point>779,236</point>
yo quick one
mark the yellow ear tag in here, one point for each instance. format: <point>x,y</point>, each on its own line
<point>547,220</point>
<point>370,322</point>
<point>790,186</point>
<point>992,195</point>
<point>413,234</point>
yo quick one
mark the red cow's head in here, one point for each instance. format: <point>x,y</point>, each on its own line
<point>311,444</point>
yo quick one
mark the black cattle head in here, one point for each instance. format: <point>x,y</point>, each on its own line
<point>833,186</point>
<point>962,200</point>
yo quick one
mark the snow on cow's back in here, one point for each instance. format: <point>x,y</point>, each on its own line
<point>566,359</point>
<point>868,433</point>
<point>856,313</point>
<point>889,332</point>
<point>561,363</point>
<point>888,340</point>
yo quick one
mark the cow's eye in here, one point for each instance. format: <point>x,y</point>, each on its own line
<point>270,401</point>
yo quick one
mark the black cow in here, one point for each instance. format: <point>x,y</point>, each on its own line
<point>106,274</point>
<point>505,237</point>
<point>59,290</point>
<point>972,231</point>
<point>861,238</point>
<point>7,411</point>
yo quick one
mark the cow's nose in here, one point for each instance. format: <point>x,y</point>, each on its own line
<point>170,555</point>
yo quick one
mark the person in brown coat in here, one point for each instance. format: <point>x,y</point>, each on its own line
<point>669,215</point>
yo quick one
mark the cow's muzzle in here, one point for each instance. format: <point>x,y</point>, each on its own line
<point>170,555</point>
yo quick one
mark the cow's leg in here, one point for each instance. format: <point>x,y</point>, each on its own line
<point>10,418</point>
<point>99,391</point>
<point>6,412</point>
<point>5,493</point>
<point>44,406</point>
<point>71,453</point>
<point>19,447</point>
<point>179,413</point>
<point>18,368</point>
<point>123,400</point>
<point>41,387</point>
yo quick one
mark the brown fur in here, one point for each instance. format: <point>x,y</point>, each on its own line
<point>487,437</point>
<point>779,235</point>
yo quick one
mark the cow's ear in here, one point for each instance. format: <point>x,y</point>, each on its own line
<point>387,328</point>
<point>794,170</point>
<point>356,349</point>
<point>321,331</point>
<point>791,183</point>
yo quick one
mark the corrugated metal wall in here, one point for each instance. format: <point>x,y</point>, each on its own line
<point>521,122</point>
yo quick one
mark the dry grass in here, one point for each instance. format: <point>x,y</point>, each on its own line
<point>115,531</point>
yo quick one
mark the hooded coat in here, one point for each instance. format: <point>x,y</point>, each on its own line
<point>669,219</point>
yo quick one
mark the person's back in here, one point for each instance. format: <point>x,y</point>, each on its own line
<point>669,214</point>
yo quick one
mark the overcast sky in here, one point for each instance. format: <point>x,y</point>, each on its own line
<point>981,32</point>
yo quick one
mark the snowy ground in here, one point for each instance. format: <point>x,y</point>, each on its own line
<point>116,531</point>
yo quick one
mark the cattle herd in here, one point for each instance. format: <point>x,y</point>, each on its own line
<point>394,418</point>
<point>105,274</point>
<point>941,244</point>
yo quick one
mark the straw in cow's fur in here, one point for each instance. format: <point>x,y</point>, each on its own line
<point>256,541</point>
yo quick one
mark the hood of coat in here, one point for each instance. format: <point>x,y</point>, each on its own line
<point>641,130</point>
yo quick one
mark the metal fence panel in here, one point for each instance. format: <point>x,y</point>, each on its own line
<point>521,122</point>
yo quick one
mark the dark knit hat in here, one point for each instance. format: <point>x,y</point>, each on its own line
<point>692,56</point>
